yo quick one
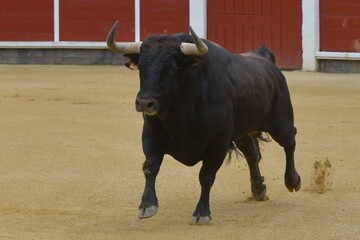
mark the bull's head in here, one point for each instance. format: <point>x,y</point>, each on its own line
<point>162,61</point>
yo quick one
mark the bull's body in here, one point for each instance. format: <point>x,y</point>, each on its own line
<point>194,109</point>
<point>225,99</point>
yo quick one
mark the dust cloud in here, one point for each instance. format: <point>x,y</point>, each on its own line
<point>322,172</point>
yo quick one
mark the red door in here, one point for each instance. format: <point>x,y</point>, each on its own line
<point>243,25</point>
<point>24,20</point>
<point>163,17</point>
<point>339,25</point>
<point>85,20</point>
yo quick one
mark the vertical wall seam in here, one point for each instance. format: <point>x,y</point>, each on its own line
<point>310,34</point>
<point>137,20</point>
<point>56,21</point>
<point>198,17</point>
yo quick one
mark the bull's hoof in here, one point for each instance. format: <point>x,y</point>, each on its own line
<point>200,220</point>
<point>147,212</point>
<point>293,185</point>
<point>260,197</point>
<point>258,193</point>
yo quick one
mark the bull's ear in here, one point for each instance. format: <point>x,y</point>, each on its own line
<point>192,61</point>
<point>133,63</point>
<point>197,61</point>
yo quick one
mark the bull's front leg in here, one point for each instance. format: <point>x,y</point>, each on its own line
<point>149,202</point>
<point>207,176</point>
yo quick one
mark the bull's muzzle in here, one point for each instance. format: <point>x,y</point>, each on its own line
<point>148,106</point>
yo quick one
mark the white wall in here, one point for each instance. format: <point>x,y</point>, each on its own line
<point>310,34</point>
<point>198,17</point>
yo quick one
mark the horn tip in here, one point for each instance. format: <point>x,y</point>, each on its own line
<point>110,40</point>
<point>116,24</point>
<point>191,30</point>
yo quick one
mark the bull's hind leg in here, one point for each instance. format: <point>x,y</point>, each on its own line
<point>249,146</point>
<point>285,136</point>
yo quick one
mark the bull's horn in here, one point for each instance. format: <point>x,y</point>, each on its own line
<point>199,48</point>
<point>121,47</point>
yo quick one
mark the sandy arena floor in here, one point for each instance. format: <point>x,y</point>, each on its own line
<point>71,158</point>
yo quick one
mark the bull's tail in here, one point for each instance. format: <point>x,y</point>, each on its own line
<point>266,53</point>
<point>261,136</point>
<point>264,137</point>
<point>233,148</point>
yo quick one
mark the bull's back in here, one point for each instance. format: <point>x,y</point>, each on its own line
<point>259,86</point>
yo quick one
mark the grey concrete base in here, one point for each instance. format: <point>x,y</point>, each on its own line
<point>60,56</point>
<point>339,66</point>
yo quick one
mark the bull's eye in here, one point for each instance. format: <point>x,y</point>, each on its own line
<point>174,70</point>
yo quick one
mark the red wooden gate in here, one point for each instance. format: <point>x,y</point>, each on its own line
<point>243,25</point>
<point>163,16</point>
<point>339,25</point>
<point>24,20</point>
<point>85,20</point>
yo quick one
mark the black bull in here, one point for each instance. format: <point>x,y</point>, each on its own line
<point>198,102</point>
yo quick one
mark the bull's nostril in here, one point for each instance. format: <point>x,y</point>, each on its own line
<point>150,105</point>
<point>146,105</point>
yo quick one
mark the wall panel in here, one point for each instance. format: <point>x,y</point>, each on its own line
<point>249,24</point>
<point>163,16</point>
<point>24,20</point>
<point>90,20</point>
<point>339,25</point>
